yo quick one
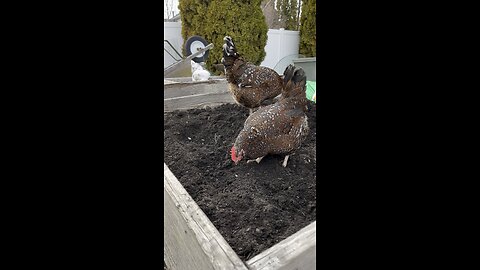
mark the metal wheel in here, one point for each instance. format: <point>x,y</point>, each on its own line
<point>194,44</point>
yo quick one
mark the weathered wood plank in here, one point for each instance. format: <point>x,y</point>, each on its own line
<point>167,82</point>
<point>180,89</point>
<point>180,247</point>
<point>189,79</point>
<point>191,240</point>
<point>295,252</point>
<point>197,101</point>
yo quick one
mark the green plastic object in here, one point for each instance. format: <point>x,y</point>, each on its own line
<point>312,91</point>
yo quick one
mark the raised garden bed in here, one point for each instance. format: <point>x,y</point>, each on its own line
<point>225,216</point>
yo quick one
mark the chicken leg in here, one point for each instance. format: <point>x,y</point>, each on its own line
<point>257,160</point>
<point>284,164</point>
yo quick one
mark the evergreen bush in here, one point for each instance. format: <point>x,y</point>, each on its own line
<point>213,19</point>
<point>308,29</point>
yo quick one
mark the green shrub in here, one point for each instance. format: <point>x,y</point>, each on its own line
<point>308,29</point>
<point>288,10</point>
<point>242,20</point>
<point>192,14</point>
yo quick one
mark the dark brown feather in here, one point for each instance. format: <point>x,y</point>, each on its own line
<point>279,128</point>
<point>249,84</point>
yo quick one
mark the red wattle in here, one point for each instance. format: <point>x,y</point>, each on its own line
<point>232,152</point>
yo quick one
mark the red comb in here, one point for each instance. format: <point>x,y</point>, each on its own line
<point>232,152</point>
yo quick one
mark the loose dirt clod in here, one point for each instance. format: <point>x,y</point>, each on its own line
<point>254,206</point>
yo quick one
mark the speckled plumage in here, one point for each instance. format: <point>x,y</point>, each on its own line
<point>279,128</point>
<point>250,85</point>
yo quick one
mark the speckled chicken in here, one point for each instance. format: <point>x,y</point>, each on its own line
<point>251,86</point>
<point>279,128</point>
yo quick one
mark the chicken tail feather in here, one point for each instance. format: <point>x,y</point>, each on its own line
<point>288,74</point>
<point>295,82</point>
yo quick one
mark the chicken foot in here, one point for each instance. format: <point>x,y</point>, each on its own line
<point>284,164</point>
<point>257,160</point>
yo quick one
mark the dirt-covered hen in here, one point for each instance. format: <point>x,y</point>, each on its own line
<point>251,86</point>
<point>279,128</point>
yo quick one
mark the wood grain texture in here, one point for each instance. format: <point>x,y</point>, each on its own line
<point>184,89</point>
<point>166,82</point>
<point>295,252</point>
<point>196,101</point>
<point>191,241</point>
<point>184,96</point>
<point>189,79</point>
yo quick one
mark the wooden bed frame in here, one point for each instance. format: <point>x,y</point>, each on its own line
<point>191,241</point>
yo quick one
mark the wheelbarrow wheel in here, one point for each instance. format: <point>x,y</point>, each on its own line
<point>193,44</point>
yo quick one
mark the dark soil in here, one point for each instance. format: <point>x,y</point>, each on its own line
<point>254,206</point>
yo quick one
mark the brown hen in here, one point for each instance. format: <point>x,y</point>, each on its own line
<point>251,86</point>
<point>279,128</point>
